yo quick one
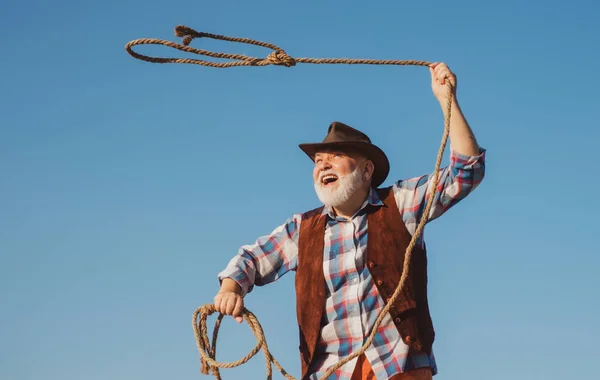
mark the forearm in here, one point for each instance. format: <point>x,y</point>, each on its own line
<point>462,139</point>
<point>265,261</point>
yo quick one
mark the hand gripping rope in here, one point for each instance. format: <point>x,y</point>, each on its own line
<point>280,58</point>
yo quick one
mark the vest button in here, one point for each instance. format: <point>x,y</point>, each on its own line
<point>408,339</point>
<point>371,264</point>
<point>398,320</point>
<point>379,282</point>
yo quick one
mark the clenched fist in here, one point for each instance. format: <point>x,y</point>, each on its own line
<point>440,74</point>
<point>229,303</point>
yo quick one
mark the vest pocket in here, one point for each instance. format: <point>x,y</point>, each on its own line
<point>416,331</point>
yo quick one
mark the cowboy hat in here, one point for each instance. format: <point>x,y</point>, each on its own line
<point>343,137</point>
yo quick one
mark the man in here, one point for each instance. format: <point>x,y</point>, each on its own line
<point>343,281</point>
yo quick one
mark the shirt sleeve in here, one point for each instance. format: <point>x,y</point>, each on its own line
<point>456,181</point>
<point>268,259</point>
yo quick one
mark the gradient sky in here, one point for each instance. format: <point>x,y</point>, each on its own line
<point>127,186</point>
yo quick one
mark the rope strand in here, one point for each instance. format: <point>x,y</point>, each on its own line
<point>279,57</point>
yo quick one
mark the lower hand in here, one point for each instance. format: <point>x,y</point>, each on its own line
<point>229,303</point>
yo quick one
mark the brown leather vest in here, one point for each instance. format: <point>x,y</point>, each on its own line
<point>387,241</point>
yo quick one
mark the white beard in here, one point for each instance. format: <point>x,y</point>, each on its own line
<point>345,188</point>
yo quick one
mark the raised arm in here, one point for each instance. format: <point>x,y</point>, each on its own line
<point>462,139</point>
<point>456,181</point>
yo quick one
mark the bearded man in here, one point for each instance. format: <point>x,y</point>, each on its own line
<point>348,254</point>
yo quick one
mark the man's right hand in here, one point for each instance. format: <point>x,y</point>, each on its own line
<point>228,300</point>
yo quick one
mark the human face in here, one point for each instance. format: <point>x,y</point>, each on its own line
<point>338,176</point>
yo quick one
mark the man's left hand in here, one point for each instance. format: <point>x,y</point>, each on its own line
<point>441,77</point>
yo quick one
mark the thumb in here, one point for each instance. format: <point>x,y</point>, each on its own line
<point>239,319</point>
<point>432,67</point>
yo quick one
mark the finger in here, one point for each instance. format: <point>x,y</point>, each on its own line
<point>442,72</point>
<point>452,79</point>
<point>223,307</point>
<point>442,66</point>
<point>432,69</point>
<point>222,304</point>
<point>439,78</point>
<point>230,304</point>
<point>448,77</point>
<point>239,305</point>
<point>217,302</point>
<point>442,75</point>
<point>437,71</point>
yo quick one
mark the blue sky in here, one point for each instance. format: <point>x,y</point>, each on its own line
<point>127,186</point>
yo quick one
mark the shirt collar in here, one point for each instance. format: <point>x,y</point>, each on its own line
<point>372,200</point>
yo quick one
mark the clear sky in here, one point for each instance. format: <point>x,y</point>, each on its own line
<point>127,186</point>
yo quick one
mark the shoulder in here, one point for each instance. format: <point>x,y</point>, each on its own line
<point>293,223</point>
<point>315,212</point>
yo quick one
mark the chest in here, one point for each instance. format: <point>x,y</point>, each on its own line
<point>345,253</point>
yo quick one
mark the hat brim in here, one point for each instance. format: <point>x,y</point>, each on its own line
<point>371,151</point>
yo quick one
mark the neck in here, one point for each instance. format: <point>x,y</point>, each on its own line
<point>348,209</point>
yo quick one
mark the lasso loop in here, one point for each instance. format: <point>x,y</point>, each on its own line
<point>277,57</point>
<point>280,58</point>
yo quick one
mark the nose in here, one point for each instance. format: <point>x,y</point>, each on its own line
<point>323,164</point>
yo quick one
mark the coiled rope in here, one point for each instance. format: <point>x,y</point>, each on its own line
<point>280,58</point>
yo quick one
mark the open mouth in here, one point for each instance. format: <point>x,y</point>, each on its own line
<point>328,179</point>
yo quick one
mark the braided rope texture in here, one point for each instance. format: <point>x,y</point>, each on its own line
<point>279,57</point>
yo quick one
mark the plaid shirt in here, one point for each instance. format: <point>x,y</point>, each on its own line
<point>352,300</point>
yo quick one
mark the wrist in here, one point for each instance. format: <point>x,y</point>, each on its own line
<point>229,285</point>
<point>444,103</point>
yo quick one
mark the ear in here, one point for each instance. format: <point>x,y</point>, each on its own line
<point>368,170</point>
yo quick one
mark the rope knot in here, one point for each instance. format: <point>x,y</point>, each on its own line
<point>280,58</point>
<point>187,33</point>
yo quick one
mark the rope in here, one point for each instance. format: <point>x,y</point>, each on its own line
<point>208,351</point>
<point>279,57</point>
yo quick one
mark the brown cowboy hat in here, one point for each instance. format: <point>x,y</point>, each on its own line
<point>343,137</point>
